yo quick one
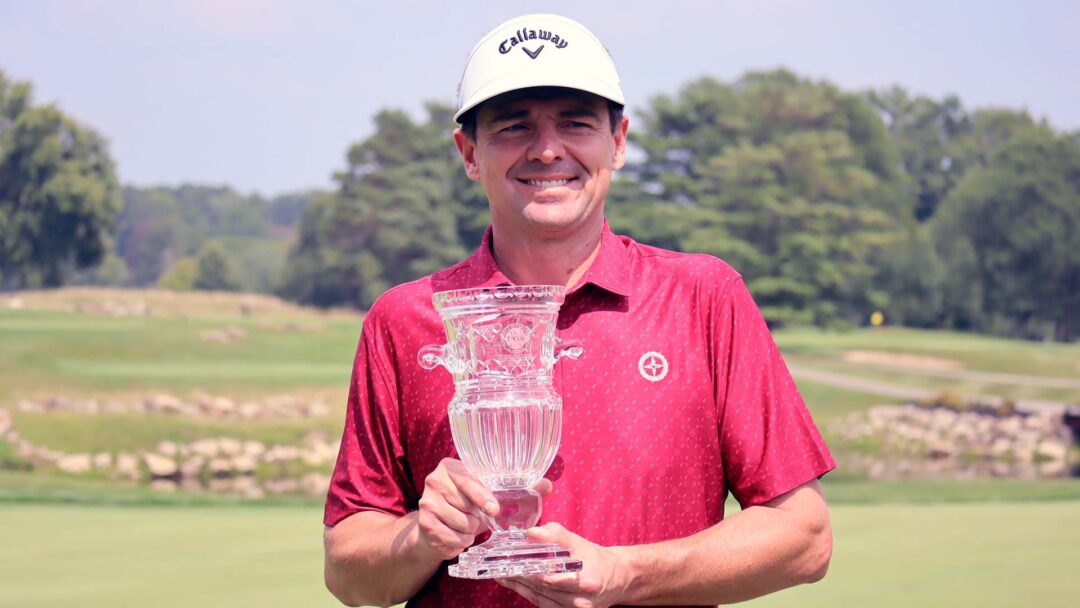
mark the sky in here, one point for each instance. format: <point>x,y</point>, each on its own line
<point>267,95</point>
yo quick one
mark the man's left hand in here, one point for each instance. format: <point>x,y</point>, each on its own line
<point>601,582</point>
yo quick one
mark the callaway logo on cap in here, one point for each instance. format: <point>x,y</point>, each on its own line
<point>537,51</point>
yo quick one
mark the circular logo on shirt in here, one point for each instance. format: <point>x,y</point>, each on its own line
<point>652,366</point>
<point>516,337</point>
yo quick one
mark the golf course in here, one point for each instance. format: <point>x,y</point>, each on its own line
<point>93,378</point>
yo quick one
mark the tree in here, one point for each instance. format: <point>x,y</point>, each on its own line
<point>794,183</point>
<point>181,277</point>
<point>927,135</point>
<point>403,210</point>
<point>1020,213</point>
<point>58,192</point>
<point>215,269</point>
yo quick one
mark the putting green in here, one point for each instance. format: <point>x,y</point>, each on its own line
<point>982,554</point>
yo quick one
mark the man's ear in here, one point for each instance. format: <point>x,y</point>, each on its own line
<point>620,144</point>
<point>467,147</point>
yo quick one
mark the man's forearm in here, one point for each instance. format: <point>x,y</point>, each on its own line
<point>756,551</point>
<point>374,559</point>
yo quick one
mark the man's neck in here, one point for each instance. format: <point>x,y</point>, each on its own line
<point>531,260</point>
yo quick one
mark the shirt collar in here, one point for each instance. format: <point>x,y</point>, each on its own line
<point>609,271</point>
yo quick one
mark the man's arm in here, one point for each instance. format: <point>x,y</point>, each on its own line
<point>784,542</point>
<point>381,559</point>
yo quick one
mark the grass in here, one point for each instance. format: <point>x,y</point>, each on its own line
<point>957,555</point>
<point>84,354</point>
<point>162,557</point>
<point>131,432</point>
<point>977,352</point>
<point>98,543</point>
<point>969,555</point>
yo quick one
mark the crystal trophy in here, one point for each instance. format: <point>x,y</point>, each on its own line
<point>505,416</point>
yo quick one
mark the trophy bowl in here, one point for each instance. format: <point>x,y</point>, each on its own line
<point>505,415</point>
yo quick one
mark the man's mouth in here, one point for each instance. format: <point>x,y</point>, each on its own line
<point>547,183</point>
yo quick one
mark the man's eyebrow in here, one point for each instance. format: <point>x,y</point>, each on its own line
<point>508,115</point>
<point>580,113</point>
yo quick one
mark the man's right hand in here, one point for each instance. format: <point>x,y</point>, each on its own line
<point>451,507</point>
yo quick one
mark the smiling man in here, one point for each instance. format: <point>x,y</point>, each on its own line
<point>681,398</point>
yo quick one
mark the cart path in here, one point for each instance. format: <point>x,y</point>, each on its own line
<point>900,391</point>
<point>988,377</point>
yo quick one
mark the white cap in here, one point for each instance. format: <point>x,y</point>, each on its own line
<point>537,51</point>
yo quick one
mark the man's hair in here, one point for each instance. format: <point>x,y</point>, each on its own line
<point>468,119</point>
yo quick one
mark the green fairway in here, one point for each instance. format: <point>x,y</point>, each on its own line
<point>975,555</point>
<point>162,557</point>
<point>78,353</point>
<point>978,555</point>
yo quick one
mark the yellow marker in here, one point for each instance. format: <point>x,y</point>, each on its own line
<point>877,318</point>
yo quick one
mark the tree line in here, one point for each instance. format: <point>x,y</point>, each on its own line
<point>832,204</point>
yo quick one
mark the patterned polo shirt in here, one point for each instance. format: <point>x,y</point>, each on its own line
<point>681,397</point>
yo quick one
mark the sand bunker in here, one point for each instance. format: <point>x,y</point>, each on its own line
<point>873,357</point>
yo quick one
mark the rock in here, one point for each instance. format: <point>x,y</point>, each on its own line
<point>220,468</point>
<point>30,407</point>
<point>127,466</point>
<point>222,407</point>
<point>168,448</point>
<point>75,464</point>
<point>103,461</point>
<point>160,466</point>
<point>192,467</point>
<point>254,448</point>
<point>282,486</point>
<point>207,448</point>
<point>1052,450</point>
<point>247,487</point>
<point>230,446</point>
<point>5,422</point>
<point>249,410</point>
<point>315,484</point>
<point>282,453</point>
<point>165,404</point>
<point>244,464</point>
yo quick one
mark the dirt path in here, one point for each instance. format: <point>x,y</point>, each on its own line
<point>900,391</point>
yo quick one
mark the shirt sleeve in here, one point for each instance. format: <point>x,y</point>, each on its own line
<point>370,473</point>
<point>769,443</point>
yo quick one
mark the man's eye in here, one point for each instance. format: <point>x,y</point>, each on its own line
<point>513,128</point>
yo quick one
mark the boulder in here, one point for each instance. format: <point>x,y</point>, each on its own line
<point>127,466</point>
<point>244,464</point>
<point>207,448</point>
<point>220,468</point>
<point>192,467</point>
<point>103,461</point>
<point>160,466</point>
<point>75,464</point>
<point>230,446</point>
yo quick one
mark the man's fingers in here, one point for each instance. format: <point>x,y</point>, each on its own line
<point>544,487</point>
<point>471,492</point>
<point>452,517</point>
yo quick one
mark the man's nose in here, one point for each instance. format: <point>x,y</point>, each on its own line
<point>547,146</point>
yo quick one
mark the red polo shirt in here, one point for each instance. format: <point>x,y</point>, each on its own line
<point>681,397</point>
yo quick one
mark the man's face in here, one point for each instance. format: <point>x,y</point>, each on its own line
<point>545,161</point>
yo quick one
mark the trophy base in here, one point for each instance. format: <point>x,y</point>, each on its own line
<point>507,560</point>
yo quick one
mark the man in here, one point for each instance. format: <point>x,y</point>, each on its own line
<point>680,398</point>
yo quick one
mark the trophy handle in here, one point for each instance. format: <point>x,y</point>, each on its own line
<point>570,349</point>
<point>432,356</point>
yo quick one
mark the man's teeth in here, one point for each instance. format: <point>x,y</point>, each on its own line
<point>543,183</point>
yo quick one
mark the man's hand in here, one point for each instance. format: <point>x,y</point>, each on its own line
<point>601,582</point>
<point>451,507</point>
